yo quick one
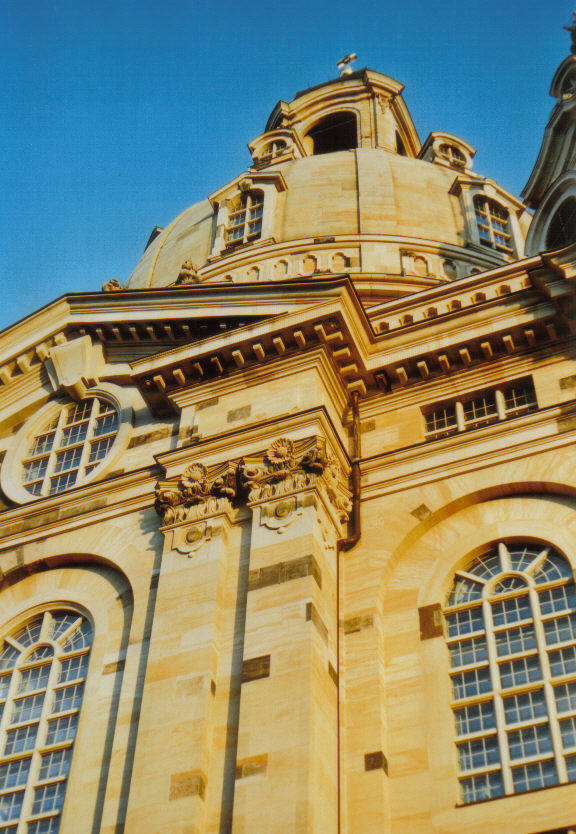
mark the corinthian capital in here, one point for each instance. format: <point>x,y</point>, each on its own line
<point>288,467</point>
<point>200,491</point>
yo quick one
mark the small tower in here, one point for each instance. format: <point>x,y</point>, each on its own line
<point>551,188</point>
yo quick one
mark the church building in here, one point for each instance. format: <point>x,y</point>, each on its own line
<point>288,518</point>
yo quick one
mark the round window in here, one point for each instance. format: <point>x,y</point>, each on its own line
<point>69,445</point>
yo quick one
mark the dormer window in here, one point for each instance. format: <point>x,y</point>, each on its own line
<point>271,151</point>
<point>245,218</point>
<point>493,222</point>
<point>452,155</point>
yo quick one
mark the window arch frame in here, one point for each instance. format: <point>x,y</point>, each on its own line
<point>250,213</point>
<point>43,789</point>
<point>11,469</point>
<point>493,688</point>
<point>488,219</point>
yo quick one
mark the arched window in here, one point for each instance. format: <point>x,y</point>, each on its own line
<point>511,634</point>
<point>452,155</point>
<point>271,151</point>
<point>43,666</point>
<point>245,218</point>
<point>562,228</point>
<point>69,446</point>
<point>336,132</point>
<point>493,223</point>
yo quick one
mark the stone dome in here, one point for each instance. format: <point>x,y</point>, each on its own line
<point>340,183</point>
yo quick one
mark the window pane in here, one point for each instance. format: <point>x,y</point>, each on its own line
<point>10,806</point>
<point>48,798</point>
<point>482,786</point>
<point>554,567</point>
<point>26,709</point>
<point>464,590</point>
<point>55,764</point>
<point>520,672</point>
<point>486,567</point>
<point>30,633</point>
<point>80,638</point>
<point>21,740</point>
<point>514,640</point>
<point>530,741</point>
<point>35,678</point>
<point>469,684</point>
<point>466,652</point>
<point>512,610</point>
<point>14,774</point>
<point>93,423</point>
<point>478,752</point>
<point>533,776</point>
<point>568,731</point>
<point>565,697</point>
<point>61,730</point>
<point>525,707</point>
<point>474,718</point>
<point>61,623</point>
<point>8,657</point>
<point>70,697</point>
<point>465,622</point>
<point>46,826</point>
<point>73,668</point>
<point>74,434</point>
<point>563,661</point>
<point>558,599</point>
<point>560,630</point>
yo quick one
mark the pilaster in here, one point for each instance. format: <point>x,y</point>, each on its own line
<point>287,760</point>
<point>173,753</point>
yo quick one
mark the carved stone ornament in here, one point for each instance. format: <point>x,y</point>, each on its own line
<point>113,285</point>
<point>198,493</point>
<point>276,475</point>
<point>188,274</point>
<point>75,366</point>
<point>190,539</point>
<point>280,515</point>
<point>289,467</point>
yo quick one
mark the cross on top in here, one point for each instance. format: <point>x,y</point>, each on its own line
<point>572,30</point>
<point>345,63</point>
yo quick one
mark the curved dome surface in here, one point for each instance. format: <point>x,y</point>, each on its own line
<point>386,209</point>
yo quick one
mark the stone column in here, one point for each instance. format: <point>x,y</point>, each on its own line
<point>287,762</point>
<point>176,734</point>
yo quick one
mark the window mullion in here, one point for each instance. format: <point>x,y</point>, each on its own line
<point>548,688</point>
<point>53,454</point>
<point>460,422</point>
<point>497,697</point>
<point>86,446</point>
<point>40,738</point>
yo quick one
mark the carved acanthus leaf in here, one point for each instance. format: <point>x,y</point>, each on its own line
<point>287,467</point>
<point>198,492</point>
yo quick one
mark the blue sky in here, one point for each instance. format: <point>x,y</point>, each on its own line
<point>118,115</point>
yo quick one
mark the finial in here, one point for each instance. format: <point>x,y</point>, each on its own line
<point>345,64</point>
<point>572,30</point>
